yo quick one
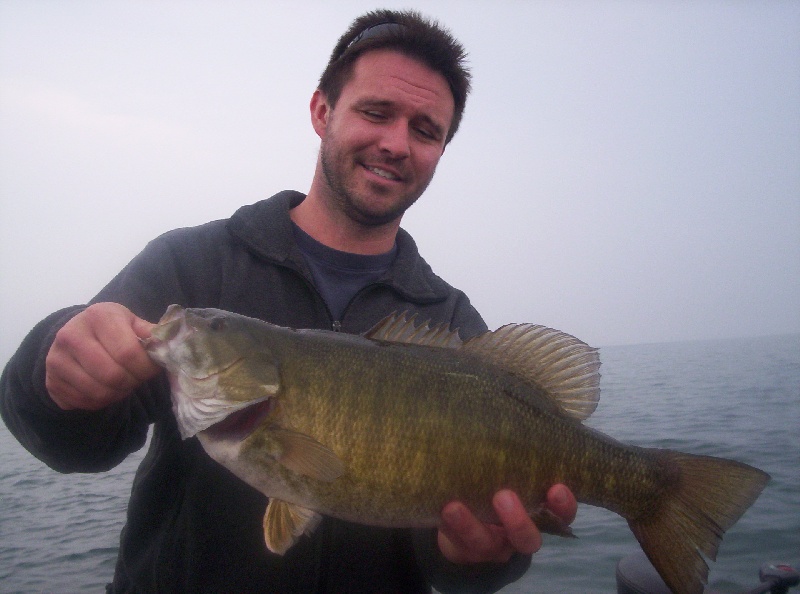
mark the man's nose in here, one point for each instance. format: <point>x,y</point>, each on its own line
<point>395,139</point>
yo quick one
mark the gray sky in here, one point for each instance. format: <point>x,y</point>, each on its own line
<point>626,171</point>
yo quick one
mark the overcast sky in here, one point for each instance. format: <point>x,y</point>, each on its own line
<point>626,171</point>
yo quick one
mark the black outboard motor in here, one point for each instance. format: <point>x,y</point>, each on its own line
<point>776,578</point>
<point>636,575</point>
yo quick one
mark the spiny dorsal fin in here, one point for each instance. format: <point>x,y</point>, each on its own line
<point>561,365</point>
<point>398,327</point>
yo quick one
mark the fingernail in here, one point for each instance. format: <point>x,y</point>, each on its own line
<point>558,496</point>
<point>453,515</point>
<point>505,501</point>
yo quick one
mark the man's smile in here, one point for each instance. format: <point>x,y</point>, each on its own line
<point>382,172</point>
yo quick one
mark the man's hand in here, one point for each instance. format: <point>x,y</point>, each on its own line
<point>97,358</point>
<point>465,539</point>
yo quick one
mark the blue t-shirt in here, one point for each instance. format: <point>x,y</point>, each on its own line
<point>338,275</point>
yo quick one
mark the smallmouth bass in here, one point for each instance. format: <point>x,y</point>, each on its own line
<point>386,428</point>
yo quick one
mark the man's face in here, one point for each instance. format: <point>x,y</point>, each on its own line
<point>382,142</point>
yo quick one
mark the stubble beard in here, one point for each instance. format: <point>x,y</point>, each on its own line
<point>347,199</point>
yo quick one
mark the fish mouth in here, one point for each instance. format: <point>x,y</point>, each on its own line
<point>170,324</point>
<point>172,327</point>
<point>161,336</point>
<point>214,373</point>
<point>240,424</point>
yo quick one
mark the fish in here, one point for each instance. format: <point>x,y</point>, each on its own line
<point>387,427</point>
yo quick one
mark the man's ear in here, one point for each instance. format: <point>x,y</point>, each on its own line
<point>320,112</point>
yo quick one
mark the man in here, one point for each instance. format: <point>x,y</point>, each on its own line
<point>81,392</point>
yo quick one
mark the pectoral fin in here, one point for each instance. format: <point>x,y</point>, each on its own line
<point>285,522</point>
<point>305,455</point>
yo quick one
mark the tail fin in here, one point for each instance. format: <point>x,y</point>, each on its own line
<point>709,497</point>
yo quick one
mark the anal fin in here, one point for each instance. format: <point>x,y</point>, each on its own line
<point>548,522</point>
<point>285,522</point>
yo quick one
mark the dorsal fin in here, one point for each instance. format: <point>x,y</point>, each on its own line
<point>565,368</point>
<point>398,327</point>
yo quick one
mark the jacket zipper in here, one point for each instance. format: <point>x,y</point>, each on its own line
<point>337,324</point>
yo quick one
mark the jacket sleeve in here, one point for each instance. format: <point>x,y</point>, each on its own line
<point>94,441</point>
<point>479,578</point>
<point>67,441</point>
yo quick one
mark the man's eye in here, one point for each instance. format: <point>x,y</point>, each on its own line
<point>374,115</point>
<point>427,134</point>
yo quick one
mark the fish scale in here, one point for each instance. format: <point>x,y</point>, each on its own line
<point>385,429</point>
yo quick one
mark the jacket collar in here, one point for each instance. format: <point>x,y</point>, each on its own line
<point>266,230</point>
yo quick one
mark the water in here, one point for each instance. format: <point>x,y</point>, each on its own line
<point>733,398</point>
<point>736,399</point>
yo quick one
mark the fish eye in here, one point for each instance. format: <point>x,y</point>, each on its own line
<point>217,324</point>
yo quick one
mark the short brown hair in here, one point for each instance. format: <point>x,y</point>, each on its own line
<point>410,34</point>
